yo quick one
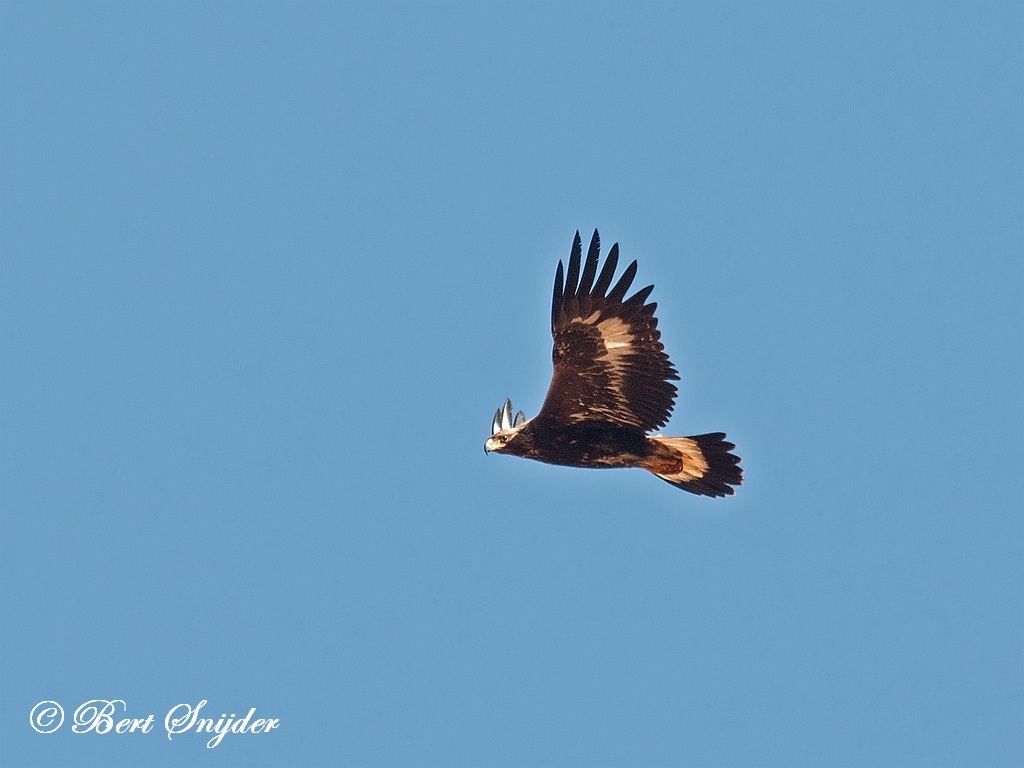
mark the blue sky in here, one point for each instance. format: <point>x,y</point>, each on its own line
<point>267,270</point>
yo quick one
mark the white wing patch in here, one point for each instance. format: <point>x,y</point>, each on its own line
<point>615,335</point>
<point>618,348</point>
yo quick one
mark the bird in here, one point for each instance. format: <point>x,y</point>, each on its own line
<point>611,387</point>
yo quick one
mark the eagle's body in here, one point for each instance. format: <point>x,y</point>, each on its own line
<point>591,444</point>
<point>611,386</point>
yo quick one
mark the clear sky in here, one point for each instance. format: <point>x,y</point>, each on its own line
<point>267,271</point>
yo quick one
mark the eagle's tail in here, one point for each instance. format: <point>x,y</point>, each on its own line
<point>701,464</point>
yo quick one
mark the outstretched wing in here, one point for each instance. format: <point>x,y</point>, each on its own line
<point>610,364</point>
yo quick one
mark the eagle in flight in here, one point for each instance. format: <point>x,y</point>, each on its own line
<point>611,386</point>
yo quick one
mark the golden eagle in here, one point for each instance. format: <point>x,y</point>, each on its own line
<point>611,386</point>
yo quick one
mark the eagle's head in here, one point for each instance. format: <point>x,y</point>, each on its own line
<point>504,428</point>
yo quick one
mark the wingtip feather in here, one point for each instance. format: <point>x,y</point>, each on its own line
<point>624,282</point>
<point>573,272</point>
<point>590,269</point>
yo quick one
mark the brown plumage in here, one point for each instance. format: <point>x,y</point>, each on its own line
<point>611,386</point>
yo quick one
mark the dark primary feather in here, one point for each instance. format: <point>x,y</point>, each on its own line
<point>611,261</point>
<point>556,300</point>
<point>609,363</point>
<point>623,285</point>
<point>591,267</point>
<point>574,266</point>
